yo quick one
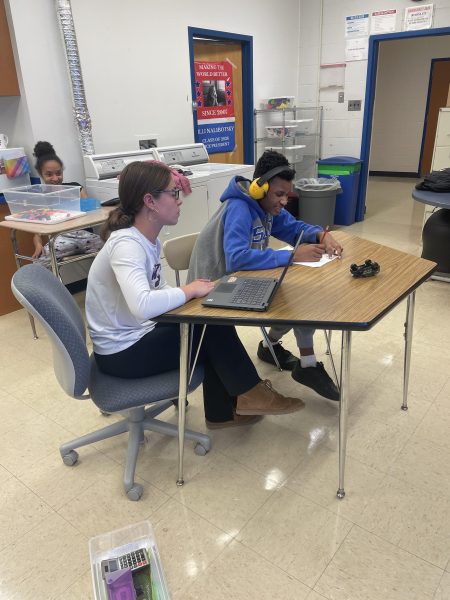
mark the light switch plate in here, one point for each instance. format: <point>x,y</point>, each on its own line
<point>341,97</point>
<point>354,105</point>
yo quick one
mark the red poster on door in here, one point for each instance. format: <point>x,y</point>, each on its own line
<point>214,90</point>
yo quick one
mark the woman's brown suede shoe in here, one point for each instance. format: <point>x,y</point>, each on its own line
<point>264,400</point>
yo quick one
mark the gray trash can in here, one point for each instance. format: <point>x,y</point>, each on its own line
<point>317,200</point>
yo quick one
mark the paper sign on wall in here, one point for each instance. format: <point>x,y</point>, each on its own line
<point>418,17</point>
<point>357,25</point>
<point>356,49</point>
<point>217,136</point>
<point>383,21</point>
<point>215,105</point>
<point>214,89</point>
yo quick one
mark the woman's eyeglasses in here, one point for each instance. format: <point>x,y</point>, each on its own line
<point>175,192</point>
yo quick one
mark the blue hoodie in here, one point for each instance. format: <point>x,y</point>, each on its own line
<point>247,229</point>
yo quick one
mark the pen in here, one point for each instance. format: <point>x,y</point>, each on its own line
<point>327,229</point>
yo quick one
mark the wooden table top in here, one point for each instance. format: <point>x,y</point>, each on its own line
<point>91,218</point>
<point>328,297</point>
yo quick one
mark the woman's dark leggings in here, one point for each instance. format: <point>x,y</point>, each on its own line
<point>229,371</point>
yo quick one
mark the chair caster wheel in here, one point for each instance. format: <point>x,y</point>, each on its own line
<point>135,492</point>
<point>71,458</point>
<point>200,450</point>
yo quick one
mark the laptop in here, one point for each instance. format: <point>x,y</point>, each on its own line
<point>247,293</point>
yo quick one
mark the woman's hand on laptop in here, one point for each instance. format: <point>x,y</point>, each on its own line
<point>197,289</point>
<point>309,252</point>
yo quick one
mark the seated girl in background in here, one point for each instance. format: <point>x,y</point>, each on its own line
<point>50,169</point>
<point>126,289</point>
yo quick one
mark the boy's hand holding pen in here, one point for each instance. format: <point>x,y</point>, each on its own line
<point>332,246</point>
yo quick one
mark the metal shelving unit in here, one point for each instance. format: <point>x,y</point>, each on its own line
<point>307,134</point>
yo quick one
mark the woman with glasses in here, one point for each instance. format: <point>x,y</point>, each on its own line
<point>126,290</point>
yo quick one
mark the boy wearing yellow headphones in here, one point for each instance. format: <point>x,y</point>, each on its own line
<point>236,239</point>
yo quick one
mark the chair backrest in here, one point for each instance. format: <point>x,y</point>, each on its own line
<point>177,252</point>
<point>46,298</point>
<point>208,256</point>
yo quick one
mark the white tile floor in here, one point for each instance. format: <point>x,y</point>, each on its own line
<point>257,517</point>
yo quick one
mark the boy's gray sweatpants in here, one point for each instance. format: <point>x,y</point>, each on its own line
<point>303,335</point>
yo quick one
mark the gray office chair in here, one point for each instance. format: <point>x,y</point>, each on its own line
<point>46,298</point>
<point>177,252</point>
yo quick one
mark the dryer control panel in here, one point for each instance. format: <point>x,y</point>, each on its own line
<point>185,155</point>
<point>108,166</point>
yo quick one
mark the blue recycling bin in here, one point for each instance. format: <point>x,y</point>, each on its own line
<point>347,170</point>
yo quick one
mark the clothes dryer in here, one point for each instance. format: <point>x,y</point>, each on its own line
<point>208,181</point>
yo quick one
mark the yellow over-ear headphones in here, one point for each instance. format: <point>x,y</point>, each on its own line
<point>259,187</point>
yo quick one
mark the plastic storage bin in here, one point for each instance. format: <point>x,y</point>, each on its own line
<point>294,154</point>
<point>278,102</point>
<point>347,170</point>
<point>42,202</point>
<point>121,542</point>
<point>301,125</point>
<point>280,131</point>
<point>316,201</point>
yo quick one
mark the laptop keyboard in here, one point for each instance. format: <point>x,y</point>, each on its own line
<point>251,292</point>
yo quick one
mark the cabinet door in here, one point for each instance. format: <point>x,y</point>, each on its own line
<point>443,129</point>
<point>441,158</point>
<point>9,85</point>
<point>7,263</point>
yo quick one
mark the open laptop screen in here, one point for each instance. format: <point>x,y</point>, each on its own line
<point>291,258</point>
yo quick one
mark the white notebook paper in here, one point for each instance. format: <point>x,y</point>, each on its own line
<point>319,263</point>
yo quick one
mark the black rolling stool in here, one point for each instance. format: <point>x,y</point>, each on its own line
<point>436,240</point>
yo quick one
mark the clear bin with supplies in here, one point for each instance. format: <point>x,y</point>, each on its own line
<point>280,131</point>
<point>278,103</point>
<point>43,203</point>
<point>126,562</point>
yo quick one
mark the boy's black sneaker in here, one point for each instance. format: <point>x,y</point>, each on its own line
<point>286,359</point>
<point>317,379</point>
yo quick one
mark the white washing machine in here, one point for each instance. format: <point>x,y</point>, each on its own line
<point>195,158</point>
<point>102,171</point>
<point>102,183</point>
<point>208,181</point>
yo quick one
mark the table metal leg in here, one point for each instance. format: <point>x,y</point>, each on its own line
<point>408,340</point>
<point>328,341</point>
<point>194,362</point>
<point>343,407</point>
<point>182,395</point>
<point>270,346</point>
<point>18,265</point>
<point>330,354</point>
<point>53,259</point>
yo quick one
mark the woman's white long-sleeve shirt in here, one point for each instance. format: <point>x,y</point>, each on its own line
<point>126,289</point>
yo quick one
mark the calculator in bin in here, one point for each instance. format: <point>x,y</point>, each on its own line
<point>135,560</point>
